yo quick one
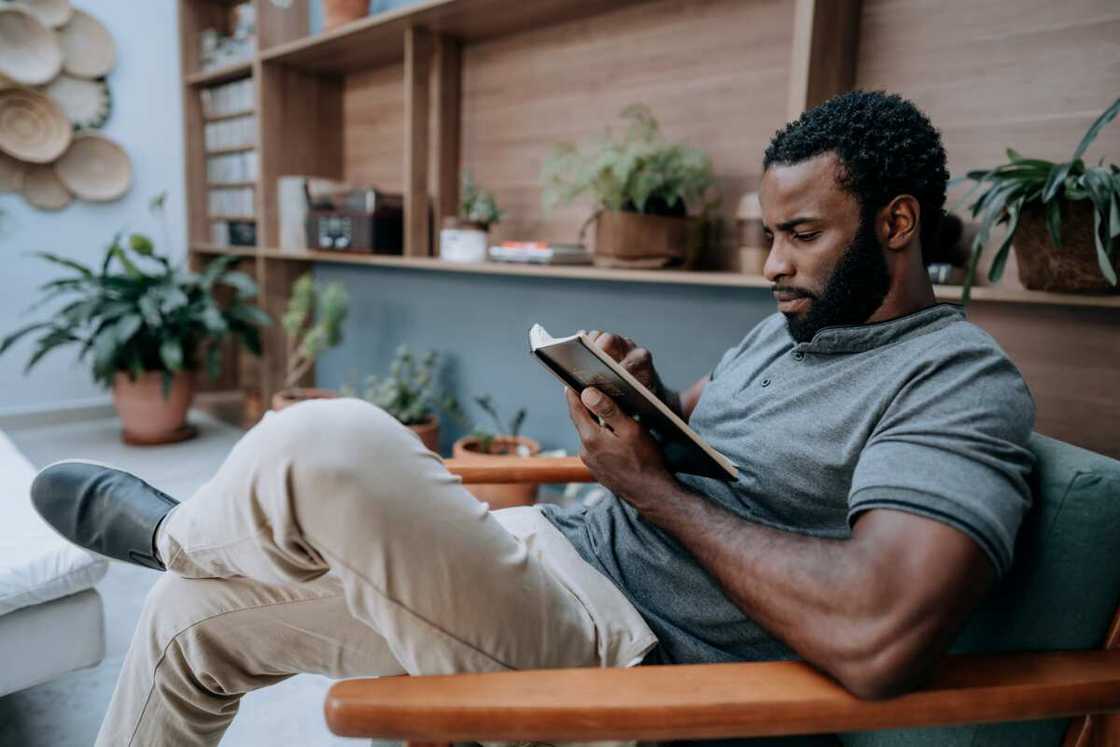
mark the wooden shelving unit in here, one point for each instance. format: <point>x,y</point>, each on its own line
<point>313,113</point>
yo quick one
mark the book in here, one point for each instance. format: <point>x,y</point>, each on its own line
<point>540,252</point>
<point>579,363</point>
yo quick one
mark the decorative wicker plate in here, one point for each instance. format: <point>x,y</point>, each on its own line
<point>86,102</point>
<point>42,188</point>
<point>32,127</point>
<point>95,168</point>
<point>29,51</point>
<point>87,47</point>
<point>53,13</point>
<point>11,174</point>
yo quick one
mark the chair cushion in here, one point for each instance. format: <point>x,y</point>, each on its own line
<point>36,565</point>
<point>1062,591</point>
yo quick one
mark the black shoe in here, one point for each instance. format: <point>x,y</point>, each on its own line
<point>102,509</point>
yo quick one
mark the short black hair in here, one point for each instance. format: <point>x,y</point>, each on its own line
<point>886,146</point>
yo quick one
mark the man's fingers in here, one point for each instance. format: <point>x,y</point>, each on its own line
<point>604,407</point>
<point>585,425</point>
<point>613,345</point>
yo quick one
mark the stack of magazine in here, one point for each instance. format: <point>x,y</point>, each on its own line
<point>540,252</point>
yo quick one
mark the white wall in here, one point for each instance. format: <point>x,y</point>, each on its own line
<point>147,120</point>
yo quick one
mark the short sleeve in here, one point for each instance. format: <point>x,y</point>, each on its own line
<point>952,446</point>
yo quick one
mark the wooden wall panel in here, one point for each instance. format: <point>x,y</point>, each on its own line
<point>373,128</point>
<point>713,71</point>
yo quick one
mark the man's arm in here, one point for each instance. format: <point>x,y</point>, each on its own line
<point>874,611</point>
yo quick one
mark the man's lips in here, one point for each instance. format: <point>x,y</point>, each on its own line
<point>790,299</point>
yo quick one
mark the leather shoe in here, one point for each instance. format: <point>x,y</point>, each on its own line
<point>104,510</point>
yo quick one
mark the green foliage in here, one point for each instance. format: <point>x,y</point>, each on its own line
<point>639,171</point>
<point>411,392</point>
<point>1022,182</point>
<point>139,313</point>
<point>512,428</point>
<point>312,323</point>
<point>477,205</point>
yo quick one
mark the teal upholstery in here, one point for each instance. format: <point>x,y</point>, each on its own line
<point>1061,593</point>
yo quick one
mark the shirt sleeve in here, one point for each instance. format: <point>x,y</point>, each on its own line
<point>951,446</point>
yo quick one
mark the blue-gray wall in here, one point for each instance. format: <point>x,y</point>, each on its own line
<point>481,322</point>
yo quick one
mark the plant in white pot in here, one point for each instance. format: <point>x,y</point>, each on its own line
<point>483,446</point>
<point>411,393</point>
<point>312,325</point>
<point>149,326</point>
<point>466,237</point>
<point>1063,219</point>
<point>642,187</point>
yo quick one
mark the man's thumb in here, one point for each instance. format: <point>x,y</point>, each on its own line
<point>597,402</point>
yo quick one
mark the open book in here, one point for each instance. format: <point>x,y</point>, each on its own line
<point>579,363</point>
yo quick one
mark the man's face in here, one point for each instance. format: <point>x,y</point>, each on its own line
<point>826,264</point>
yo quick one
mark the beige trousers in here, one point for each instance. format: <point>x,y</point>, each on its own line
<point>330,541</point>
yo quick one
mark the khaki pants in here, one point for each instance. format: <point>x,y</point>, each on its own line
<point>330,541</point>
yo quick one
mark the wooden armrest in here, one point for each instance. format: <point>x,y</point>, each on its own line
<point>521,469</point>
<point>714,700</point>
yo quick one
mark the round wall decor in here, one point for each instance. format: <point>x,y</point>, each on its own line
<point>95,168</point>
<point>85,102</point>
<point>11,174</point>
<point>87,47</point>
<point>29,51</point>
<point>32,127</point>
<point>53,13</point>
<point>43,189</point>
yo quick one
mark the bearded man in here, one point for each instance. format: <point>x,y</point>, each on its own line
<point>881,444</point>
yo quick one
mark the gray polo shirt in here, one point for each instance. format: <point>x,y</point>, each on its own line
<point>922,413</point>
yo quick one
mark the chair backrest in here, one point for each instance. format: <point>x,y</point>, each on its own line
<point>1061,594</point>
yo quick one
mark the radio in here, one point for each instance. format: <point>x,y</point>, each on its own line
<point>356,220</point>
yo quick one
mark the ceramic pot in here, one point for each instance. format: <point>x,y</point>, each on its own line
<point>463,241</point>
<point>338,12</point>
<point>500,495</point>
<point>428,432</point>
<point>149,418</point>
<point>650,242</point>
<point>1071,267</point>
<point>285,398</point>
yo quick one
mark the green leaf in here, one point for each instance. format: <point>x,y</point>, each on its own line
<point>995,272</point>
<point>171,353</point>
<point>245,286</point>
<point>149,309</point>
<point>1103,259</point>
<point>15,336</point>
<point>1114,216</point>
<point>141,244</point>
<point>65,262</point>
<point>1055,181</point>
<point>1102,121</point>
<point>126,327</point>
<point>213,320</point>
<point>129,266</point>
<point>48,343</point>
<point>1054,222</point>
<point>250,315</point>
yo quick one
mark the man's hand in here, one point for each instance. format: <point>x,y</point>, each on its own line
<point>636,360</point>
<point>619,453</point>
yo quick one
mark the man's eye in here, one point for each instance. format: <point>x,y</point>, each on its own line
<point>806,236</point>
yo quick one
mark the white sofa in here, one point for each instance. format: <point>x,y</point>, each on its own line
<point>51,619</point>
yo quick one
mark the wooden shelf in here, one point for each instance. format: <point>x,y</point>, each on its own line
<point>671,277</point>
<point>222,74</point>
<point>231,185</point>
<point>379,39</point>
<point>230,115</point>
<point>215,218</point>
<point>227,151</point>
<point>215,249</point>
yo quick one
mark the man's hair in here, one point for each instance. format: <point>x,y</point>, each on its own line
<point>886,148</point>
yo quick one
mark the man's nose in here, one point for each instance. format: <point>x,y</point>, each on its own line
<point>778,264</point>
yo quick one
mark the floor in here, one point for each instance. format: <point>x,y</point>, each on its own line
<point>68,711</point>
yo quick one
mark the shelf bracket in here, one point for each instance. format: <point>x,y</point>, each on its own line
<point>418,53</point>
<point>825,48</point>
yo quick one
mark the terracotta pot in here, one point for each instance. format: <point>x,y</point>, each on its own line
<point>500,495</point>
<point>338,12</point>
<point>149,418</point>
<point>287,397</point>
<point>1073,266</point>
<point>651,242</point>
<point>428,433</point>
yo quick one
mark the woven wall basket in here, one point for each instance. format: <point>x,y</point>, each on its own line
<point>52,13</point>
<point>87,47</point>
<point>29,51</point>
<point>11,174</point>
<point>42,188</point>
<point>33,128</point>
<point>95,168</point>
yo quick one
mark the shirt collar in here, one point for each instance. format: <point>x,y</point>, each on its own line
<point>858,338</point>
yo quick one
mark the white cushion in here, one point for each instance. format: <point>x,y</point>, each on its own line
<point>41,642</point>
<point>36,564</point>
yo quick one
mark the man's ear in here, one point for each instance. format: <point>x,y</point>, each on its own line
<point>899,222</point>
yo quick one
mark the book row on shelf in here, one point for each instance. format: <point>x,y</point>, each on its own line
<point>228,98</point>
<point>231,201</point>
<point>231,133</point>
<point>233,167</point>
<point>233,233</point>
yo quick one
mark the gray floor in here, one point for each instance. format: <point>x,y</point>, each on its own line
<point>68,711</point>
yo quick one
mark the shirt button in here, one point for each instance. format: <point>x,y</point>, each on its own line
<point>766,382</point>
<point>798,355</point>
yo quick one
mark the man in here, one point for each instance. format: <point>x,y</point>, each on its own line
<point>881,445</point>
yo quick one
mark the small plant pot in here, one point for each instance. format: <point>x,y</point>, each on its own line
<point>285,398</point>
<point>148,418</point>
<point>338,12</point>
<point>505,495</point>
<point>463,241</point>
<point>1071,267</point>
<point>428,432</point>
<point>648,242</point>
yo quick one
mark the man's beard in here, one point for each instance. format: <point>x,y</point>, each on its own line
<point>856,289</point>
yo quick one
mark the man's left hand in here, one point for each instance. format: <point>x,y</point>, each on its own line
<point>619,453</point>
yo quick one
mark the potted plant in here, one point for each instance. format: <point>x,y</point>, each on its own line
<point>483,445</point>
<point>465,238</point>
<point>149,326</point>
<point>339,12</point>
<point>642,186</point>
<point>312,325</point>
<point>411,394</point>
<point>1062,218</point>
